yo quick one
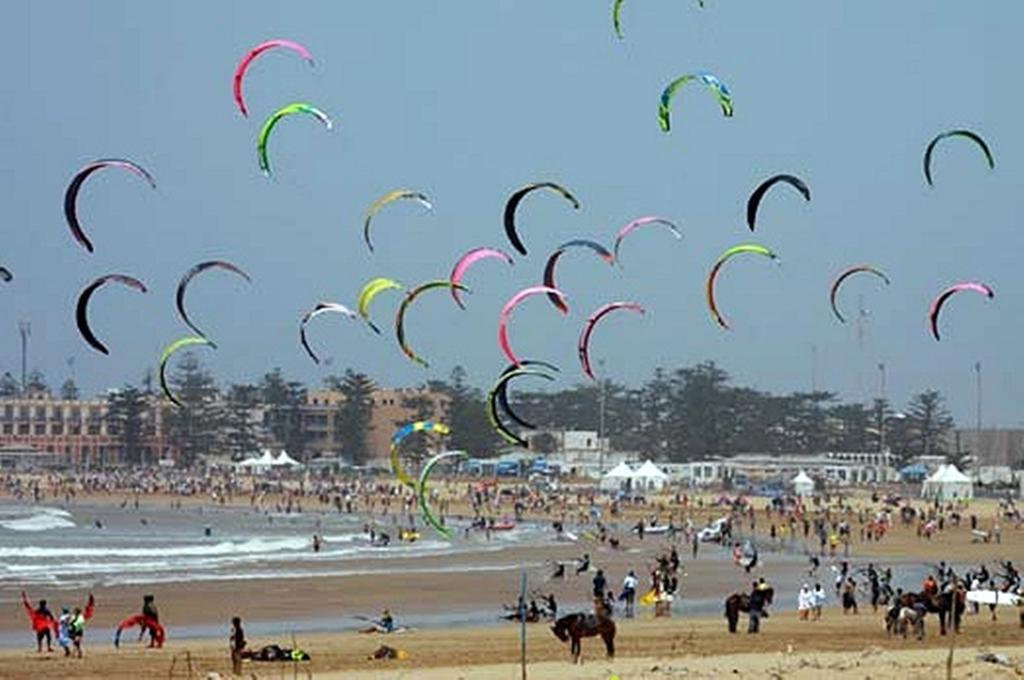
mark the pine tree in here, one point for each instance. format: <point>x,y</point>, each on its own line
<point>129,420</point>
<point>241,435</point>
<point>354,417</point>
<point>196,424</point>
<point>69,390</point>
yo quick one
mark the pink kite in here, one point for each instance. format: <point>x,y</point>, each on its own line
<point>506,311</point>
<point>933,313</point>
<point>468,260</point>
<point>639,222</point>
<point>243,65</point>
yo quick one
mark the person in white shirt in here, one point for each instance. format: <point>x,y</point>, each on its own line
<point>629,584</point>
<point>817,600</point>
<point>804,602</point>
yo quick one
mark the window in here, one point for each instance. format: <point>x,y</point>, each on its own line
<point>75,429</point>
<point>40,413</point>
<point>8,412</point>
<point>8,428</point>
<point>94,429</point>
<point>22,428</point>
<point>57,429</point>
<point>40,428</point>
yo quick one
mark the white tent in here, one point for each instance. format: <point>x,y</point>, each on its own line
<point>617,478</point>
<point>947,484</point>
<point>649,478</point>
<point>261,464</point>
<point>285,459</point>
<point>802,484</point>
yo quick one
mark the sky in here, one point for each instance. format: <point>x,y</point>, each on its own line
<point>466,101</point>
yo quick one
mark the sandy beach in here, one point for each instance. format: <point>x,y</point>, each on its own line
<point>839,646</point>
<point>453,600</point>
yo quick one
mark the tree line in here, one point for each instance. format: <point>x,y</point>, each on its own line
<point>688,413</point>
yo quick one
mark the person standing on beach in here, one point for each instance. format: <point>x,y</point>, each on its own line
<point>76,627</point>
<point>756,609</point>
<point>42,622</point>
<point>237,643</point>
<point>628,595</point>
<point>600,582</point>
<point>149,611</point>
<point>818,601</point>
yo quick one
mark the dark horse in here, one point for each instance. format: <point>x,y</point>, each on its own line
<point>946,605</point>
<point>576,626</point>
<point>740,602</point>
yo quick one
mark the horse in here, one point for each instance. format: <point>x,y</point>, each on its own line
<point>740,602</point>
<point>947,605</point>
<point>576,626</point>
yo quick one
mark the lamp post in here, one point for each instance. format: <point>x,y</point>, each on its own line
<point>25,329</point>
<point>600,418</point>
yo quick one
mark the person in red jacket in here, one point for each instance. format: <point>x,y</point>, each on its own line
<point>43,622</point>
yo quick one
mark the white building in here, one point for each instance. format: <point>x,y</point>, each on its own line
<point>836,467</point>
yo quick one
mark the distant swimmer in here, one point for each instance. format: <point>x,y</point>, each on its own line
<point>207,531</point>
<point>317,543</point>
<point>98,524</point>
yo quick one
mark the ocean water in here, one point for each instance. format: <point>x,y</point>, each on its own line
<point>83,546</point>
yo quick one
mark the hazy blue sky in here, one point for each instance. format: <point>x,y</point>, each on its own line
<point>468,100</point>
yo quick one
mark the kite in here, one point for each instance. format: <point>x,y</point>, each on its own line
<point>755,198</point>
<point>639,222</point>
<point>513,204</point>
<point>467,261</point>
<point>722,259</point>
<point>268,127</point>
<point>503,390</point>
<point>165,357</point>
<point>396,443</point>
<point>549,267</point>
<point>145,623</point>
<point>938,302</point>
<point>974,137</point>
<point>388,198</point>
<point>506,312</point>
<point>402,308</point>
<point>71,195</point>
<point>183,284</point>
<point>82,309</point>
<point>243,65</point>
<point>714,84</point>
<point>493,400</point>
<point>373,288</point>
<point>834,291</point>
<point>617,16</point>
<point>428,514</point>
<point>321,308</point>
<point>588,328</point>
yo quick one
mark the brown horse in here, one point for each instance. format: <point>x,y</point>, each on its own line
<point>573,627</point>
<point>740,602</point>
<point>947,605</point>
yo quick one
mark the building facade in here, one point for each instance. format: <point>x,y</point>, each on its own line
<point>76,430</point>
<point>391,408</point>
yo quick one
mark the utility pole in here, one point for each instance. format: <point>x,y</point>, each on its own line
<point>25,329</point>
<point>862,318</point>
<point>977,421</point>
<point>814,367</point>
<point>600,418</point>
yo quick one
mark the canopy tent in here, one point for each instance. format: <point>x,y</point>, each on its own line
<point>648,478</point>
<point>947,484</point>
<point>617,478</point>
<point>914,473</point>
<point>802,484</point>
<point>285,459</point>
